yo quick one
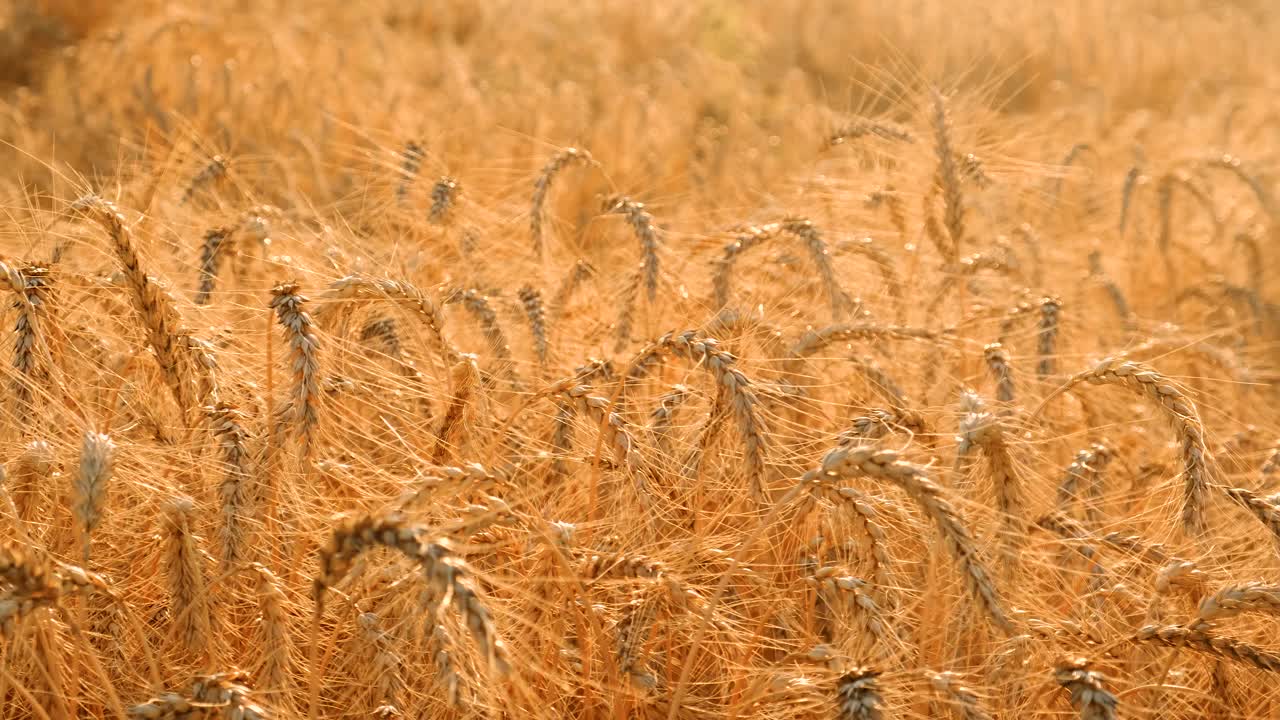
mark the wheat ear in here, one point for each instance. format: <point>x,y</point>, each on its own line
<point>188,597</point>
<point>186,365</point>
<point>862,127</point>
<point>31,472</point>
<point>998,362</point>
<point>961,697</point>
<point>1205,642</point>
<point>536,312</point>
<point>211,253</point>
<point>446,575</point>
<point>807,233</point>
<point>542,186</point>
<point>215,169</point>
<point>858,695</point>
<point>660,420</point>
<point>733,390</point>
<point>359,288</point>
<point>642,224</point>
<point>30,341</point>
<point>987,432</point>
<point>274,672</point>
<point>1047,344</point>
<point>235,490</point>
<point>1265,509</point>
<point>444,198</point>
<point>868,248</point>
<point>1239,598</point>
<point>1089,694</point>
<point>386,664</point>
<point>304,360</point>
<point>97,461</point>
<point>410,162</point>
<point>864,460</point>
<point>1181,412</point>
<point>480,308</point>
<point>947,179</point>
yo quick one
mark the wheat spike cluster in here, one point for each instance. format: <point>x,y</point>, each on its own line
<point>826,360</point>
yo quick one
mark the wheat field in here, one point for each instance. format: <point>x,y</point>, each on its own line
<point>851,359</point>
